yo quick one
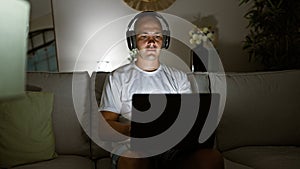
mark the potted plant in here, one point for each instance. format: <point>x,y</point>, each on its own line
<point>274,37</point>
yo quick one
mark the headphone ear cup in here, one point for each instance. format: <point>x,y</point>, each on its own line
<point>131,40</point>
<point>166,39</point>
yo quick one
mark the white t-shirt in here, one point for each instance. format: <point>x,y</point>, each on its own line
<point>127,80</point>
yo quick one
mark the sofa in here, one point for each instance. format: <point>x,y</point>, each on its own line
<point>259,127</point>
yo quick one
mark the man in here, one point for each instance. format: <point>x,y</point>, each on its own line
<point>148,75</point>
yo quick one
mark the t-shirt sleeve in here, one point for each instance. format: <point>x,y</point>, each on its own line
<point>184,84</point>
<point>110,99</point>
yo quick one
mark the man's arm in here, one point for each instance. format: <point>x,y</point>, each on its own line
<point>113,120</point>
<point>185,85</point>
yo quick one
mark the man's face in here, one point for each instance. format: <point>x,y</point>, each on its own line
<point>149,38</point>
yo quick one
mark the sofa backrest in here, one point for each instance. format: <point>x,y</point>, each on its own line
<point>69,135</point>
<point>199,81</point>
<point>97,84</point>
<point>261,109</point>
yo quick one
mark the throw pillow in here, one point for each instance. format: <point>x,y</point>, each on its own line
<point>26,134</point>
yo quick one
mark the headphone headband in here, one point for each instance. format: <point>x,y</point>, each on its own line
<point>147,13</point>
<point>130,34</point>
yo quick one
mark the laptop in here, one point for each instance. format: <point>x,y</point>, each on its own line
<point>154,114</point>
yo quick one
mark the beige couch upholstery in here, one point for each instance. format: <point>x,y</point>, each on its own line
<point>259,128</point>
<point>71,142</point>
<point>260,124</point>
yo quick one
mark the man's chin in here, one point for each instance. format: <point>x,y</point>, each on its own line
<point>148,57</point>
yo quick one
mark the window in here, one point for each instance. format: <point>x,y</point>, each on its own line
<point>42,51</point>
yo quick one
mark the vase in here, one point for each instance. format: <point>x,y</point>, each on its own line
<point>199,58</point>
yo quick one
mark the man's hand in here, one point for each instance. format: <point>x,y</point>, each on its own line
<point>113,120</point>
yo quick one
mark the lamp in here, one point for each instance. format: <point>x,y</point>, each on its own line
<point>14,21</point>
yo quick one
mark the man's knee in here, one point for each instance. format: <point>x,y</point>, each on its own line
<point>125,162</point>
<point>206,158</point>
<point>209,154</point>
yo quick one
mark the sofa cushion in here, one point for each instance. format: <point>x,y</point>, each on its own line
<point>266,157</point>
<point>261,109</point>
<point>32,88</point>
<point>70,137</point>
<point>228,164</point>
<point>63,162</point>
<point>104,163</point>
<point>97,83</point>
<point>26,129</point>
<point>199,82</point>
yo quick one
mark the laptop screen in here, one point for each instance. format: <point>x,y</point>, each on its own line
<point>157,114</point>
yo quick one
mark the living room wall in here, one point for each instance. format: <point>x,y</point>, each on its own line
<point>40,14</point>
<point>77,22</point>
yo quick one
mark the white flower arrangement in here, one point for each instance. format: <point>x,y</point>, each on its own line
<point>199,35</point>
<point>132,54</point>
